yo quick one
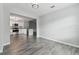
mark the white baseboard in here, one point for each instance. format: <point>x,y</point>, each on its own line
<point>6,44</point>
<point>66,43</point>
<point>1,50</point>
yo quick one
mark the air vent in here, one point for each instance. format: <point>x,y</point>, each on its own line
<point>52,6</point>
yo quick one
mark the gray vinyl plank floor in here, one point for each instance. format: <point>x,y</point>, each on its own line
<point>21,45</point>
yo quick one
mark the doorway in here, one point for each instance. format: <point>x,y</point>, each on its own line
<point>21,25</point>
<point>23,33</point>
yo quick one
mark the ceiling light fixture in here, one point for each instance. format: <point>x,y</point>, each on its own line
<point>35,6</point>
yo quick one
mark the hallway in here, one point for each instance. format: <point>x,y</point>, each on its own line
<point>21,45</point>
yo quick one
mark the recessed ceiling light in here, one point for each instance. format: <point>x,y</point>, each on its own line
<point>52,6</point>
<point>35,6</point>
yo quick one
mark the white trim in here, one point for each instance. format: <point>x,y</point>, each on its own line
<point>16,11</point>
<point>37,24</point>
<point>1,50</point>
<point>66,43</point>
<point>6,44</point>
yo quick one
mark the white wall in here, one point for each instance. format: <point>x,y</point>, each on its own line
<point>1,27</point>
<point>6,25</point>
<point>61,25</point>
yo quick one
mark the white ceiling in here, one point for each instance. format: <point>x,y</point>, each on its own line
<point>46,7</point>
<point>43,7</point>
